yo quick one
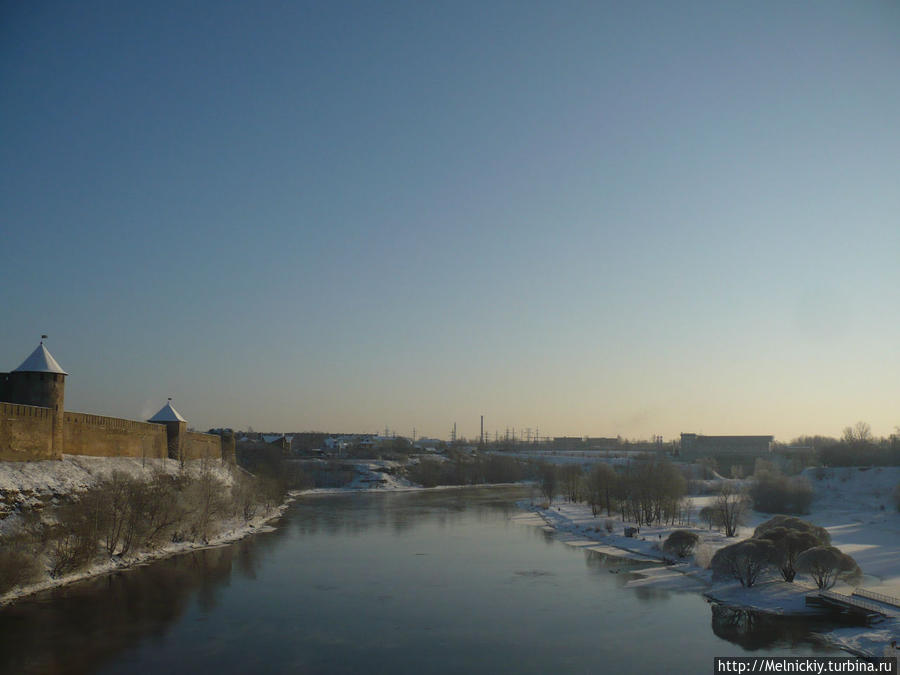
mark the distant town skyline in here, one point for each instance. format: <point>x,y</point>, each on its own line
<point>596,220</point>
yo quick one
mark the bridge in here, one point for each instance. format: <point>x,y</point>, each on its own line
<point>862,605</point>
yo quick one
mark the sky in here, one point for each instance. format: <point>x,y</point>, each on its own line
<point>587,218</point>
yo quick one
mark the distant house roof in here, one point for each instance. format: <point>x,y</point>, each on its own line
<point>40,361</point>
<point>273,438</point>
<point>167,414</point>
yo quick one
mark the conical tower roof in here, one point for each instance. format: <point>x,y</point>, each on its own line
<point>40,361</point>
<point>167,414</point>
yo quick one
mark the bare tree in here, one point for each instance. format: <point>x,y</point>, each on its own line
<point>163,508</point>
<point>601,486</point>
<point>731,505</point>
<point>826,565</point>
<point>650,491</point>
<point>571,480</point>
<point>548,481</point>
<point>205,495</point>
<point>113,503</point>
<point>859,433</point>
<point>745,561</point>
<point>789,544</point>
<point>711,516</point>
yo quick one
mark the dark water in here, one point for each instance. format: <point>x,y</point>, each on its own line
<point>437,582</point>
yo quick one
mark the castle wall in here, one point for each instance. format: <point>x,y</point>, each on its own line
<point>112,437</point>
<point>201,446</point>
<point>26,433</point>
<point>44,390</point>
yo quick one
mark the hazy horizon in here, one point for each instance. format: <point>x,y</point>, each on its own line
<point>595,219</point>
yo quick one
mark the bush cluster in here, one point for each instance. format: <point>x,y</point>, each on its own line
<point>790,546</point>
<point>122,515</point>
<point>773,492</point>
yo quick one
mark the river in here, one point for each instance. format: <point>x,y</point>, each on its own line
<point>435,581</point>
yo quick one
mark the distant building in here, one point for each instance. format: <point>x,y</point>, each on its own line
<point>279,440</point>
<point>601,443</point>
<point>695,446</point>
<point>568,443</point>
<point>428,444</point>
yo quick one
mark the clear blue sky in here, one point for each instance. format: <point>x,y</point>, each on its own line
<point>592,218</point>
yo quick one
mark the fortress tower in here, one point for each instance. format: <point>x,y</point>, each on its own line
<point>34,425</point>
<point>176,426</point>
<point>39,381</point>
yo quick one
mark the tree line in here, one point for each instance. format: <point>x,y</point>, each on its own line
<point>461,469</point>
<point>646,491</point>
<point>122,516</point>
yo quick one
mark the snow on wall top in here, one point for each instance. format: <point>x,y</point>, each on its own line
<point>40,361</point>
<point>167,414</point>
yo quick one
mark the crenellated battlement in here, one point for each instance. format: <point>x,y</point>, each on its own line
<point>116,423</point>
<point>20,410</point>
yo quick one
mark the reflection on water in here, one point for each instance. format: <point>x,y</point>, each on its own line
<point>402,511</point>
<point>77,627</point>
<point>754,631</point>
<point>439,581</point>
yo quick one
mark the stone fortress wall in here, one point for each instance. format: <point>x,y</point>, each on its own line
<point>112,437</point>
<point>26,433</point>
<point>34,427</point>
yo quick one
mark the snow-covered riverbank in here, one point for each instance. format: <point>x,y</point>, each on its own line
<point>41,486</point>
<point>852,504</point>
<point>38,485</point>
<point>227,536</point>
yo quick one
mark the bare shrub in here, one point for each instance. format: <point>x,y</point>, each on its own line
<point>245,497</point>
<point>111,500</point>
<point>773,492</point>
<point>680,543</point>
<point>793,523</point>
<point>74,538</point>
<point>711,516</point>
<point>18,564</point>
<point>163,510</point>
<point>205,504</point>
<point>271,493</point>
